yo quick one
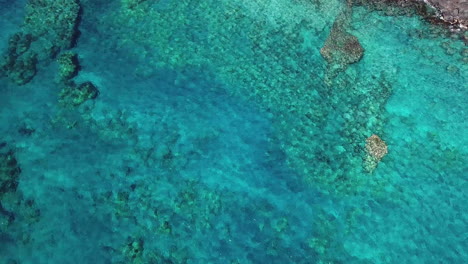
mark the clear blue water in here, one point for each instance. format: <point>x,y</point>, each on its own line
<point>221,135</point>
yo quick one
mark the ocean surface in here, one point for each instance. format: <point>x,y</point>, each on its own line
<point>231,132</point>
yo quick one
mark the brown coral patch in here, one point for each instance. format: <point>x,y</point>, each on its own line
<point>341,47</point>
<point>376,149</point>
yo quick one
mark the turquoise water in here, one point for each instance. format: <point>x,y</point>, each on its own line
<point>222,134</point>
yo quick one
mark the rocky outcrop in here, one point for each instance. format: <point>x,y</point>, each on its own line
<point>452,13</point>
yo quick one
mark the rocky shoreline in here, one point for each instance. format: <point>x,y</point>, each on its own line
<point>452,12</point>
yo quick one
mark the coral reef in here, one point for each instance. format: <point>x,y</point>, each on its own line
<point>13,207</point>
<point>341,48</point>
<point>49,27</point>
<point>19,63</point>
<point>279,69</point>
<point>19,43</point>
<point>213,153</point>
<point>9,171</point>
<point>21,70</point>
<point>52,24</point>
<point>75,95</point>
<point>376,149</point>
<point>68,65</point>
